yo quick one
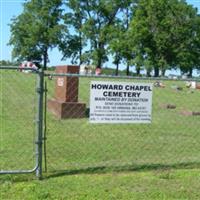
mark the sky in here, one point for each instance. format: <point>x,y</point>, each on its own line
<point>11,8</point>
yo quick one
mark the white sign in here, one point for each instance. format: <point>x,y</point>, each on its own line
<point>60,82</point>
<point>114,102</point>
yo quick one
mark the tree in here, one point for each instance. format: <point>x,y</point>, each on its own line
<point>8,63</point>
<point>127,15</point>
<point>119,46</point>
<point>36,30</point>
<point>196,44</point>
<point>73,42</point>
<point>115,44</point>
<point>100,17</point>
<point>188,47</point>
<point>161,32</point>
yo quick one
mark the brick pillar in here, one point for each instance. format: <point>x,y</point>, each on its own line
<point>65,104</point>
<point>66,89</point>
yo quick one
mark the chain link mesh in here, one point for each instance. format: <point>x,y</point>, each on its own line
<point>170,140</point>
<point>17,120</point>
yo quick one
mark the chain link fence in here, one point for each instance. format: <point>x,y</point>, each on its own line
<point>170,140</point>
<point>17,120</point>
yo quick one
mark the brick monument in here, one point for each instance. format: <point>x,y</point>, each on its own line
<point>65,103</point>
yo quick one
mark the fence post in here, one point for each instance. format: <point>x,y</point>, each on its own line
<point>39,128</point>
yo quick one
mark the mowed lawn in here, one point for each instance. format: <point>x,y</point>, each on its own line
<point>133,185</point>
<point>100,161</point>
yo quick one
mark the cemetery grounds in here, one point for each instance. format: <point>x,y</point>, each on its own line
<point>101,161</point>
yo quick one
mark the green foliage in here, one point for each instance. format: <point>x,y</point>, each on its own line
<point>164,33</point>
<point>110,71</point>
<point>152,34</point>
<point>8,63</point>
<point>119,44</point>
<point>72,44</point>
<point>188,50</point>
<point>100,17</point>
<point>36,30</point>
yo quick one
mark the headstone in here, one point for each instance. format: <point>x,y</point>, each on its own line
<point>197,86</point>
<point>190,113</point>
<point>159,84</point>
<point>193,85</point>
<point>168,106</point>
<point>98,71</point>
<point>65,103</point>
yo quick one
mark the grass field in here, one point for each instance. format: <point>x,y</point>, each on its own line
<point>86,161</point>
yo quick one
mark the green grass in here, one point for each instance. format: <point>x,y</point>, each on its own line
<point>100,161</point>
<point>170,139</point>
<point>144,185</point>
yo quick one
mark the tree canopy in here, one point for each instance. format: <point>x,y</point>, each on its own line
<point>154,35</point>
<point>164,35</point>
<point>36,30</point>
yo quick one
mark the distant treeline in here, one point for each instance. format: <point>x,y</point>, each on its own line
<point>155,35</point>
<point>8,63</point>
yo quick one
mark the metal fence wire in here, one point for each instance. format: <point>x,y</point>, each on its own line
<point>17,120</point>
<point>171,139</point>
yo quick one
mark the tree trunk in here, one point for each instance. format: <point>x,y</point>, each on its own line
<point>148,73</point>
<point>45,57</point>
<point>117,68</point>
<point>100,54</point>
<point>81,46</point>
<point>99,63</point>
<point>80,53</point>
<point>127,69</point>
<point>190,72</point>
<point>156,71</point>
<point>163,72</point>
<point>138,71</point>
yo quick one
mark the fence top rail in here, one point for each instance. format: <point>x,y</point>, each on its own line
<point>102,76</point>
<point>18,68</point>
<point>121,77</point>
